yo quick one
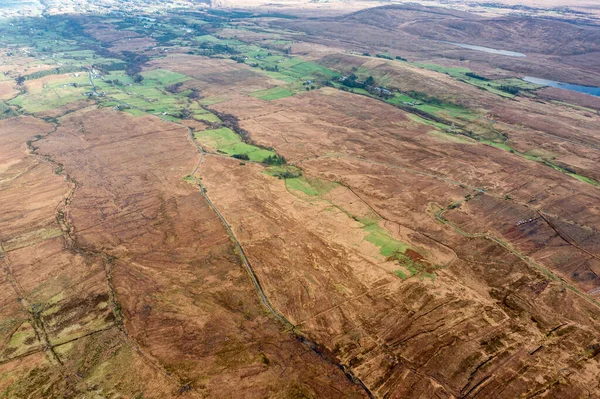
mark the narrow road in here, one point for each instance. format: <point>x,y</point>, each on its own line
<point>261,294</point>
<point>244,258</point>
<point>92,81</point>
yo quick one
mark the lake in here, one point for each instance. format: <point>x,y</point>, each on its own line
<point>487,49</point>
<point>591,90</point>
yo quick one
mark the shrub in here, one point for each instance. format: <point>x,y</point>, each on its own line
<point>475,76</point>
<point>510,89</point>
<point>274,160</point>
<point>287,175</point>
<point>386,56</point>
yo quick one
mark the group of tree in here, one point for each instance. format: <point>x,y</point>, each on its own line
<point>387,56</point>
<point>135,62</point>
<point>184,113</point>
<point>475,76</point>
<point>174,89</point>
<point>217,48</point>
<point>514,90</point>
<point>287,174</point>
<point>275,159</point>
<point>352,81</point>
<point>114,82</point>
<point>269,68</point>
<point>422,97</point>
<point>194,94</point>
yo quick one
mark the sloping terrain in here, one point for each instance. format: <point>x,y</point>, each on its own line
<point>555,49</point>
<point>469,324</point>
<point>222,204</point>
<point>182,295</point>
<point>519,34</point>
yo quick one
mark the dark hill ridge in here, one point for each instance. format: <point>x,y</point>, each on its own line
<point>555,50</point>
<point>524,34</point>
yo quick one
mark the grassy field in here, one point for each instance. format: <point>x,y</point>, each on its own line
<point>163,77</point>
<point>388,246</point>
<point>310,187</point>
<point>227,141</point>
<point>53,94</point>
<point>272,94</point>
<point>151,96</point>
<point>492,86</point>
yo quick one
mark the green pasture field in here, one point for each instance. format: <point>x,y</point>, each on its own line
<point>53,94</point>
<point>229,142</point>
<point>310,187</point>
<point>272,94</point>
<point>163,77</point>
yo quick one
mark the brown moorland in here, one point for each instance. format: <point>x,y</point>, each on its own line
<point>60,336</point>
<point>555,49</point>
<point>403,257</point>
<point>493,308</point>
<point>182,294</point>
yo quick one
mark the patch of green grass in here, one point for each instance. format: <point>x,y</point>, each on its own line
<point>312,187</point>
<point>400,99</point>
<point>164,77</point>
<point>309,69</point>
<point>380,237</point>
<point>401,274</point>
<point>413,268</point>
<point>299,184</point>
<point>229,142</point>
<point>206,117</point>
<point>283,171</point>
<point>53,94</point>
<point>272,94</point>
<point>584,179</point>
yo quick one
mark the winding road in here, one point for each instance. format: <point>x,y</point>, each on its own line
<point>261,294</point>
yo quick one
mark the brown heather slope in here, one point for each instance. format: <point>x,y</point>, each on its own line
<point>522,34</point>
<point>555,49</point>
<point>184,298</point>
<point>494,322</point>
<point>60,336</point>
<point>557,132</point>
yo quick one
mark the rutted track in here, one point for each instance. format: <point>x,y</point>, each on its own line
<point>322,352</point>
<point>439,216</point>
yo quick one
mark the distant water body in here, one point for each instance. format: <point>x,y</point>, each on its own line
<point>591,90</point>
<point>487,49</point>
